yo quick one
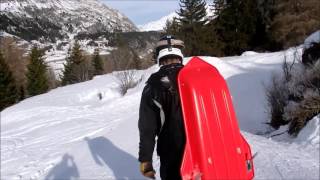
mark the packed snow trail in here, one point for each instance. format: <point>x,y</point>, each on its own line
<point>69,133</point>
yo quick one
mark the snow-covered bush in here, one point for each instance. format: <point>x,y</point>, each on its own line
<point>277,97</point>
<point>295,98</point>
<point>300,113</point>
<point>126,80</point>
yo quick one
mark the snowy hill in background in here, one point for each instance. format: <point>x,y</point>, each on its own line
<point>53,25</point>
<point>58,19</point>
<point>69,133</point>
<point>158,25</point>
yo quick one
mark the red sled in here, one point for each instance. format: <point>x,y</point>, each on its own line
<point>215,149</point>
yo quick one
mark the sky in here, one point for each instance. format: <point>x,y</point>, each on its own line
<point>144,11</point>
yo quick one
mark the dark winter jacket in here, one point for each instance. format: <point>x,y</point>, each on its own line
<point>160,116</point>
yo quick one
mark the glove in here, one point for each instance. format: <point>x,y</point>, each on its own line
<point>147,170</point>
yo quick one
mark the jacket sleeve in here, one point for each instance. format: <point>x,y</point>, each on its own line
<point>149,115</point>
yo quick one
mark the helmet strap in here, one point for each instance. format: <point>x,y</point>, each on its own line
<point>169,43</point>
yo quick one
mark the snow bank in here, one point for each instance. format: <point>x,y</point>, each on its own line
<point>314,37</point>
<point>5,34</point>
<point>310,134</point>
<point>247,77</point>
<point>249,53</point>
<point>282,160</point>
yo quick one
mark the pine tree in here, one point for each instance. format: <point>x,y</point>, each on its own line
<point>97,63</point>
<point>67,77</point>
<point>192,12</point>
<point>76,68</point>
<point>172,27</point>
<point>77,54</point>
<point>192,21</point>
<point>8,91</point>
<point>236,24</point>
<point>214,46</point>
<point>37,80</point>
<point>21,93</point>
<point>251,24</point>
<point>267,10</point>
<point>218,6</point>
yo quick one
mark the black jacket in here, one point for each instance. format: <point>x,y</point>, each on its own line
<point>160,116</point>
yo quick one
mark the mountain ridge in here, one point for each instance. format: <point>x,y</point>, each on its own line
<point>60,19</point>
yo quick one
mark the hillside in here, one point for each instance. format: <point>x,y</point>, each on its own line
<point>59,19</point>
<point>54,25</point>
<point>70,133</point>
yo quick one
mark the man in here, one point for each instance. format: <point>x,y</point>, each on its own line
<point>160,114</point>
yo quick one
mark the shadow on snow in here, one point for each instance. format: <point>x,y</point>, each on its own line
<point>123,164</point>
<point>66,169</point>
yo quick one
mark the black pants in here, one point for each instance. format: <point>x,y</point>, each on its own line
<point>170,167</point>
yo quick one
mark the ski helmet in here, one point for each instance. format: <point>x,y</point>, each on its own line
<point>168,46</point>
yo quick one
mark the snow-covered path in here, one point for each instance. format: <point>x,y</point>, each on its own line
<point>69,133</point>
<point>276,160</point>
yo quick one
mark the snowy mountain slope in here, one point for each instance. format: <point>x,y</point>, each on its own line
<point>158,25</point>
<point>69,133</point>
<point>54,25</point>
<point>50,19</point>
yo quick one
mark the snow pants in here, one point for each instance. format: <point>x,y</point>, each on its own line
<point>170,167</point>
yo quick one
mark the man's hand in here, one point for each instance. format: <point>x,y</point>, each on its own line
<point>147,170</point>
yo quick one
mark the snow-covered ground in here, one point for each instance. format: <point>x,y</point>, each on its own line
<point>69,133</point>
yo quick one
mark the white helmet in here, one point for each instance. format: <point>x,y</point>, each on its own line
<point>169,46</point>
<point>169,52</point>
